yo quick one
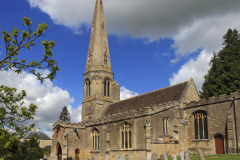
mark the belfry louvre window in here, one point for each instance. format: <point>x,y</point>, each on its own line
<point>106,88</point>
<point>87,88</point>
<point>126,136</point>
<point>95,138</point>
<point>201,125</point>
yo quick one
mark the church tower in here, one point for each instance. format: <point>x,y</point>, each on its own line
<point>99,87</point>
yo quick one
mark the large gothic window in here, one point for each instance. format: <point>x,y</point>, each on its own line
<point>106,88</point>
<point>87,85</point>
<point>201,125</point>
<point>126,136</point>
<point>95,139</point>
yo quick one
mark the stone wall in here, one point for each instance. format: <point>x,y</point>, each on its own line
<point>219,122</point>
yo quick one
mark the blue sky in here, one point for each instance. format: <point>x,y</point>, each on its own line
<point>153,44</point>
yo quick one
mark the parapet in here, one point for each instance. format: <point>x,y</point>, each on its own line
<point>146,111</point>
<point>79,125</point>
<point>212,100</point>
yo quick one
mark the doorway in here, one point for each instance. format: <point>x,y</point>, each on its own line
<point>219,144</point>
<point>59,152</point>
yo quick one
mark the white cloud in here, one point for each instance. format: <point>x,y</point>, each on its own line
<point>191,24</point>
<point>126,93</point>
<point>76,114</point>
<point>166,54</point>
<point>204,33</point>
<point>194,68</point>
<point>49,99</point>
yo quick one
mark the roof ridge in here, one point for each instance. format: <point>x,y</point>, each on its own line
<point>148,93</point>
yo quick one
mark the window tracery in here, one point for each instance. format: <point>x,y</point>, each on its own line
<point>126,136</point>
<point>95,138</point>
<point>201,125</point>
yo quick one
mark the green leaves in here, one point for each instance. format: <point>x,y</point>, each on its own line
<point>12,108</point>
<point>28,38</point>
<point>13,111</point>
<point>224,75</point>
<point>14,149</point>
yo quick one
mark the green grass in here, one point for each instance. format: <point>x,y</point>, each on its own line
<point>213,157</point>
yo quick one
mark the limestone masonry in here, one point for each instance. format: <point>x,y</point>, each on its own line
<point>168,120</point>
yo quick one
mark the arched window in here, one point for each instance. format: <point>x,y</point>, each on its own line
<point>165,125</point>
<point>106,88</point>
<point>201,125</point>
<point>126,136</point>
<point>95,138</point>
<point>87,85</point>
<point>58,131</point>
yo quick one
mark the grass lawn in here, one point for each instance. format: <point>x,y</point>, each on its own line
<point>214,157</point>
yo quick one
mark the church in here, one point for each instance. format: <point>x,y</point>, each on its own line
<point>167,120</point>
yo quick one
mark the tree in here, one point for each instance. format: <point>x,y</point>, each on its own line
<point>27,150</point>
<point>65,115</point>
<point>12,109</point>
<point>224,74</point>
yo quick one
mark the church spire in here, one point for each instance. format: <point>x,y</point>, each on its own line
<point>98,57</point>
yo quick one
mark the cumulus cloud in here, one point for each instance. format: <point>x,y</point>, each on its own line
<point>194,68</point>
<point>126,93</point>
<point>191,24</point>
<point>49,99</point>
<point>76,114</point>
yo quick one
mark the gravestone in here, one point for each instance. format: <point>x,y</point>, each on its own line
<point>154,156</point>
<point>174,157</point>
<point>168,153</point>
<point>187,155</point>
<point>126,157</point>
<point>181,156</point>
<point>164,157</point>
<point>200,155</point>
<point>119,157</point>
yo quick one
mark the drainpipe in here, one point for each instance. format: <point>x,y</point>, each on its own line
<point>67,146</point>
<point>235,119</point>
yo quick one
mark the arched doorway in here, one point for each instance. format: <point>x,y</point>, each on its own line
<point>77,152</point>
<point>59,152</point>
<point>219,144</point>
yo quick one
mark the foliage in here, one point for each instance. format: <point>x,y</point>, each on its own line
<point>224,74</point>
<point>65,115</point>
<point>27,150</point>
<point>46,151</point>
<point>13,46</point>
<point>12,109</point>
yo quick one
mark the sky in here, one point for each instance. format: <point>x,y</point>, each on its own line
<point>153,44</point>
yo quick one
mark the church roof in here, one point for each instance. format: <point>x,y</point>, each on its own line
<point>41,135</point>
<point>171,93</point>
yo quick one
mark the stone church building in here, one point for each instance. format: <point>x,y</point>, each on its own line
<point>172,119</point>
